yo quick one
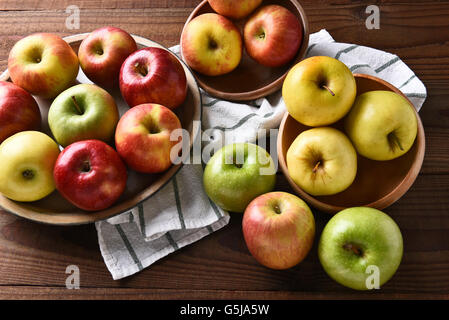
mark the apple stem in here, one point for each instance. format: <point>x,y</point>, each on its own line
<point>353,248</point>
<point>315,169</point>
<point>395,140</point>
<point>328,89</point>
<point>76,105</point>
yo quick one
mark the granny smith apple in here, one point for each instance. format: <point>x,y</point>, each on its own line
<point>319,91</point>
<point>358,244</point>
<point>83,112</point>
<point>322,161</point>
<point>26,172</point>
<point>382,125</point>
<point>238,173</point>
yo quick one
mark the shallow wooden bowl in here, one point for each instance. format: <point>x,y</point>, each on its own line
<point>251,80</point>
<point>378,184</point>
<point>54,209</point>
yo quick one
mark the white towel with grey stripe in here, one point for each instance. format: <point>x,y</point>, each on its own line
<point>180,213</point>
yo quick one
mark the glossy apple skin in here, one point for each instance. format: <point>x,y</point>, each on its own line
<point>142,137</point>
<point>308,102</point>
<point>18,111</point>
<point>238,173</point>
<point>272,36</point>
<point>90,175</point>
<point>211,44</point>
<point>234,9</point>
<point>279,229</point>
<point>26,172</point>
<point>153,75</point>
<point>96,118</point>
<point>378,242</point>
<point>322,161</point>
<point>382,125</point>
<point>43,64</point>
<point>102,54</point>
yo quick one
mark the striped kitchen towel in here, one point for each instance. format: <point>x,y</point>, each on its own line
<point>180,213</point>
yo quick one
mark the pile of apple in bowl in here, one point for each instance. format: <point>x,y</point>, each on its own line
<point>347,140</point>
<point>104,144</point>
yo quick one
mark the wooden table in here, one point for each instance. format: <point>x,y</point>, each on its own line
<point>34,257</point>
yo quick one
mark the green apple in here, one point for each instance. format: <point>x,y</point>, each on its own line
<point>83,112</point>
<point>238,173</point>
<point>319,91</point>
<point>382,125</point>
<point>27,159</point>
<point>322,161</point>
<point>359,244</point>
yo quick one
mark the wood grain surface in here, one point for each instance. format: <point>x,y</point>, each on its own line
<point>34,257</point>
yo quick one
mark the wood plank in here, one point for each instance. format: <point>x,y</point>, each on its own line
<point>29,256</point>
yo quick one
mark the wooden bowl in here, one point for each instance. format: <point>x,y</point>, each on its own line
<point>251,80</point>
<point>54,209</point>
<point>378,184</point>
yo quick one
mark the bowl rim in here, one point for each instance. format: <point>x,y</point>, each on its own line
<point>267,89</point>
<point>24,211</point>
<point>395,194</point>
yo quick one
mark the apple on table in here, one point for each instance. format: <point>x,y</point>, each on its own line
<point>153,75</point>
<point>90,175</point>
<point>234,9</point>
<point>43,64</point>
<point>279,229</point>
<point>357,242</point>
<point>382,125</point>
<point>27,159</point>
<point>18,111</point>
<point>83,112</point>
<point>272,35</point>
<point>102,53</point>
<point>238,173</point>
<point>319,91</point>
<point>211,44</point>
<point>143,137</point>
<point>322,161</point>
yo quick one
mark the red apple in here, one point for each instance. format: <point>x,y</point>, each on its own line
<point>153,75</point>
<point>279,229</point>
<point>90,174</point>
<point>272,35</point>
<point>43,64</point>
<point>234,9</point>
<point>142,137</point>
<point>102,53</point>
<point>18,111</point>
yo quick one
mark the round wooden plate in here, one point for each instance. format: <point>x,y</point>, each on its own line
<point>378,184</point>
<point>251,80</point>
<point>54,209</point>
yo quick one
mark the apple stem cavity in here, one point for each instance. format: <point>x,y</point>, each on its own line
<point>28,174</point>
<point>328,89</point>
<point>317,165</point>
<point>141,69</point>
<point>80,112</point>
<point>394,141</point>
<point>86,166</point>
<point>352,247</point>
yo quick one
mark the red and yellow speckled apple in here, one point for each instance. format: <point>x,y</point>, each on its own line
<point>272,35</point>
<point>153,75</point>
<point>90,174</point>
<point>18,110</point>
<point>279,229</point>
<point>142,137</point>
<point>234,9</point>
<point>211,44</point>
<point>43,64</point>
<point>102,53</point>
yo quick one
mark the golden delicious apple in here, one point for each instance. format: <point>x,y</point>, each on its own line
<point>322,161</point>
<point>382,125</point>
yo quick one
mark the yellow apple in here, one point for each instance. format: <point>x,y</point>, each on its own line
<point>319,91</point>
<point>322,161</point>
<point>211,44</point>
<point>27,159</point>
<point>382,125</point>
